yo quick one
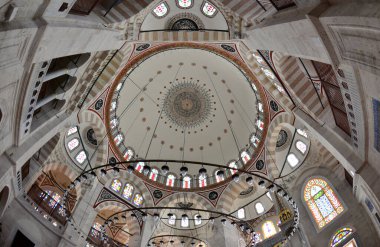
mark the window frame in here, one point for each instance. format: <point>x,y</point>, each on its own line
<point>165,14</point>
<point>213,5</point>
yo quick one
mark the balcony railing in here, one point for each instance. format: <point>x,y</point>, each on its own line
<point>47,204</point>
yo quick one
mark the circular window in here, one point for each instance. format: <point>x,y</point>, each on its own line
<point>91,137</point>
<point>213,195</point>
<point>259,164</point>
<point>273,105</point>
<point>282,138</point>
<point>184,24</point>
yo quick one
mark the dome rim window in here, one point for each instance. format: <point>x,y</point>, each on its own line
<point>203,6</point>
<point>165,12</point>
<point>184,7</point>
<point>261,210</point>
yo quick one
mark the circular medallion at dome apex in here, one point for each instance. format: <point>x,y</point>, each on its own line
<point>187,105</point>
<point>186,101</point>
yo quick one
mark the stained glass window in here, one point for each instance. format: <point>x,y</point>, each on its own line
<point>197,220</point>
<point>232,164</point>
<point>184,3</point>
<point>185,221</point>
<point>245,157</point>
<point>170,180</point>
<point>259,208</point>
<point>186,182</point>
<point>138,200</point>
<point>302,133</point>
<point>74,143</point>
<point>161,10</point>
<point>140,166</point>
<point>81,157</point>
<point>340,235</point>
<point>54,198</point>
<point>260,124</point>
<point>241,213</point>
<point>322,201</point>
<point>171,220</point>
<point>113,105</point>
<point>118,139</point>
<point>301,146</point>
<point>292,160</point>
<point>128,155</point>
<point>116,185</point>
<point>95,230</point>
<point>209,9</point>
<point>218,178</point>
<point>72,131</point>
<point>153,174</point>
<point>128,191</point>
<point>268,229</point>
<point>114,122</point>
<point>202,180</point>
<point>255,140</point>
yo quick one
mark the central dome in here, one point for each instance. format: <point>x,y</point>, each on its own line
<point>187,105</point>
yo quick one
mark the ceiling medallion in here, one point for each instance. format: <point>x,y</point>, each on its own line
<point>187,105</point>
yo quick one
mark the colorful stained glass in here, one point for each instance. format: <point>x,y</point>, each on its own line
<point>260,124</point>
<point>340,235</point>
<point>301,146</point>
<point>153,174</point>
<point>128,155</point>
<point>322,201</point>
<point>140,166</point>
<point>118,139</point>
<point>54,198</point>
<point>116,185</point>
<point>184,3</point>
<point>255,140</point>
<point>170,180</point>
<point>138,200</point>
<point>232,164</point>
<point>161,10</point>
<point>114,122</point>
<point>268,229</point>
<point>72,131</point>
<point>245,157</point>
<point>95,230</point>
<point>186,182</point>
<point>202,180</point>
<point>128,191</point>
<point>81,157</point>
<point>209,9</point>
<point>74,143</point>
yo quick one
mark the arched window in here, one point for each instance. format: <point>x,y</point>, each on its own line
<point>268,229</point>
<point>301,146</point>
<point>139,166</point>
<point>55,198</point>
<point>116,185</point>
<point>302,133</point>
<point>170,180</point>
<point>128,191</point>
<point>292,160</point>
<point>185,221</point>
<point>81,157</point>
<point>113,105</point>
<point>186,182</point>
<point>72,131</point>
<point>185,4</point>
<point>171,220</point>
<point>197,220</point>
<point>96,230</point>
<point>241,213</point>
<point>128,155</point>
<point>232,164</point>
<point>269,196</point>
<point>322,202</point>
<point>260,124</point>
<point>217,177</point>
<point>153,174</point>
<point>341,235</point>
<point>118,139</point>
<point>73,144</point>
<point>114,122</point>
<point>259,208</point>
<point>161,10</point>
<point>202,180</point>
<point>255,140</point>
<point>208,9</point>
<point>138,200</point>
<point>245,157</point>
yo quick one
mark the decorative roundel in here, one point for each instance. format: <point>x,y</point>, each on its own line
<point>91,137</point>
<point>228,48</point>
<point>112,160</point>
<point>99,104</point>
<point>282,138</point>
<point>157,194</point>
<point>213,195</point>
<point>142,47</point>
<point>259,164</point>
<point>273,105</point>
